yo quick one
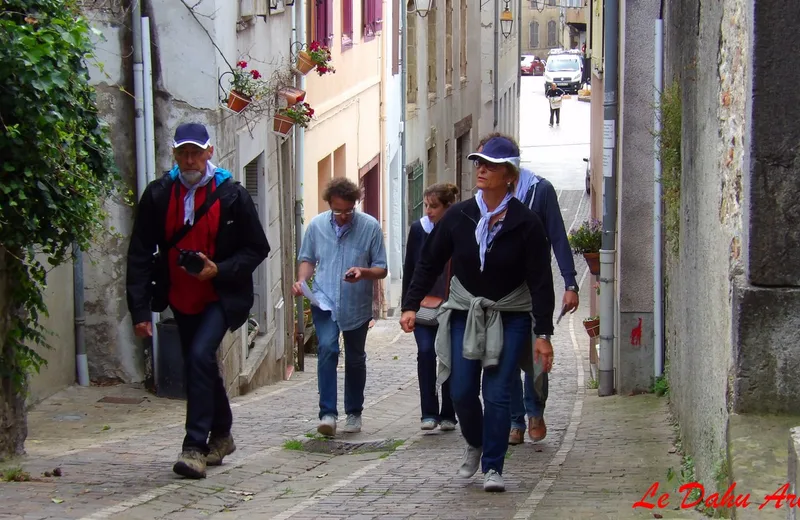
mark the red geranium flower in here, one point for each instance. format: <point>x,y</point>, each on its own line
<point>255,74</point>
<point>242,64</point>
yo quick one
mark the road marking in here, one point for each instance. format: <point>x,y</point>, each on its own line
<point>554,467</point>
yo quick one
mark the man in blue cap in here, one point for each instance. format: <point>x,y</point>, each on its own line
<point>196,240</point>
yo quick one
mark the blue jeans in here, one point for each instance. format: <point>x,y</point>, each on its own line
<point>487,428</point>
<point>426,372</point>
<point>355,364</point>
<point>532,403</point>
<point>207,408</point>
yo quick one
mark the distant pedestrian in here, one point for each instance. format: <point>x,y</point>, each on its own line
<point>343,251</point>
<point>210,240</point>
<point>555,95</point>
<point>501,280</point>
<point>437,199</point>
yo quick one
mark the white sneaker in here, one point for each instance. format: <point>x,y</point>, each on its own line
<point>327,426</point>
<point>428,425</point>
<point>493,481</point>
<point>353,424</point>
<point>447,426</point>
<point>471,461</point>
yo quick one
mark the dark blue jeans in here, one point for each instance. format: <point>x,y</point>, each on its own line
<point>355,364</point>
<point>532,403</point>
<point>426,372</point>
<point>207,408</point>
<point>487,428</point>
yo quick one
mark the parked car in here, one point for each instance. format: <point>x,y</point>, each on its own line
<point>531,66</point>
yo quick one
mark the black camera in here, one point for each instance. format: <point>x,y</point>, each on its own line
<point>191,261</point>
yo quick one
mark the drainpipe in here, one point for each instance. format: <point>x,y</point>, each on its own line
<point>298,21</point>
<point>495,74</point>
<point>608,246</point>
<point>403,155</point>
<point>81,362</point>
<point>138,97</point>
<point>658,280</point>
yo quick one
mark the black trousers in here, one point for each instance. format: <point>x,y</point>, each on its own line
<point>207,408</point>
<point>557,112</point>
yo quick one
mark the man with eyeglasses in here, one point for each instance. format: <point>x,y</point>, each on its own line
<point>343,252</point>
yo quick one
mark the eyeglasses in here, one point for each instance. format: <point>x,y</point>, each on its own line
<point>339,213</point>
<point>489,165</point>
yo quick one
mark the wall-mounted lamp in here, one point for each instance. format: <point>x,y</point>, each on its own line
<point>506,22</point>
<point>422,7</point>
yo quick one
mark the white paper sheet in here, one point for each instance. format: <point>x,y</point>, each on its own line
<point>312,299</point>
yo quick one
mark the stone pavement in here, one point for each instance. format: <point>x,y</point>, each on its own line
<point>599,457</point>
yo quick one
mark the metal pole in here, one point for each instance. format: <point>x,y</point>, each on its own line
<point>658,280</point>
<point>81,362</point>
<point>608,246</point>
<point>138,98</point>
<point>496,73</point>
<point>299,144</point>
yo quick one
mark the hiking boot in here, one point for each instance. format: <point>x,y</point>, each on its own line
<point>191,464</point>
<point>353,424</point>
<point>517,436</point>
<point>493,481</point>
<point>327,426</point>
<point>537,429</point>
<point>447,425</point>
<point>218,449</point>
<point>470,462</point>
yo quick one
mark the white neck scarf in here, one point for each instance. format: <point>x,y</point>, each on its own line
<point>188,199</point>
<point>427,225</point>
<point>482,231</point>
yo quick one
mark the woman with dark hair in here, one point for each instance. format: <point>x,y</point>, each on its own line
<point>501,286</point>
<point>437,198</point>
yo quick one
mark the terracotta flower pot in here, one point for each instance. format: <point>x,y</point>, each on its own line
<point>292,95</point>
<point>282,124</point>
<point>238,101</point>
<point>592,327</point>
<point>593,261</point>
<point>304,63</point>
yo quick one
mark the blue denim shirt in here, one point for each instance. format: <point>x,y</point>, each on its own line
<point>359,246</point>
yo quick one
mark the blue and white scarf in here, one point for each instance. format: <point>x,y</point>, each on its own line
<point>426,223</point>
<point>526,179</point>
<point>482,231</point>
<point>191,189</point>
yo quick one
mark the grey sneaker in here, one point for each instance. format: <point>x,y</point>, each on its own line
<point>447,426</point>
<point>471,461</point>
<point>218,449</point>
<point>327,426</point>
<point>191,464</point>
<point>428,425</point>
<point>493,481</point>
<point>353,424</point>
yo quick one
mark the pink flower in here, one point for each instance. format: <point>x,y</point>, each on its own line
<point>255,74</point>
<point>242,64</point>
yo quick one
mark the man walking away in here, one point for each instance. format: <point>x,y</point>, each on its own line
<point>344,252</point>
<point>555,95</point>
<point>209,239</point>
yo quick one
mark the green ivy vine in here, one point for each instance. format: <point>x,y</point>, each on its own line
<point>56,163</point>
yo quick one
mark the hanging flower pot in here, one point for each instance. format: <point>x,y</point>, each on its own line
<point>238,101</point>
<point>293,95</point>
<point>304,63</point>
<point>592,326</point>
<point>282,124</point>
<point>593,261</point>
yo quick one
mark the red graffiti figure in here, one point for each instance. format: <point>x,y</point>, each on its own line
<point>636,334</point>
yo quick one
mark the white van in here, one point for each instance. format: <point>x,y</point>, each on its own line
<point>565,70</point>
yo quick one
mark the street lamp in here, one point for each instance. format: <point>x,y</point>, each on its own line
<point>422,7</point>
<point>506,22</point>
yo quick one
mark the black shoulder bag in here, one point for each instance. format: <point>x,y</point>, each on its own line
<point>159,282</point>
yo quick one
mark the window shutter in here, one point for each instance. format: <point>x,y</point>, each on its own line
<point>377,15</point>
<point>347,23</point>
<point>366,19</point>
<point>328,23</point>
<point>319,21</point>
<point>395,37</point>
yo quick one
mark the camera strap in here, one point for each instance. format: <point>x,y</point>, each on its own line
<point>199,214</point>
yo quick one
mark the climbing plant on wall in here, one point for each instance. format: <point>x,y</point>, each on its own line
<point>56,167</point>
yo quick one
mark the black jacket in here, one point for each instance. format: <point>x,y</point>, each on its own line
<point>416,239</point>
<point>520,253</point>
<point>241,246</point>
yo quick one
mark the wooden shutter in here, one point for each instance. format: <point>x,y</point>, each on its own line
<point>367,31</point>
<point>347,23</point>
<point>328,23</point>
<point>319,21</point>
<point>377,15</point>
<point>396,14</point>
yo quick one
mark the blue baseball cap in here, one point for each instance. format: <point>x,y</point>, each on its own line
<point>192,133</point>
<point>498,150</point>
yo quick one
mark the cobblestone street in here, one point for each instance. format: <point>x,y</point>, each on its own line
<point>599,457</point>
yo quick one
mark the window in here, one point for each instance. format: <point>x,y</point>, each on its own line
<point>321,27</point>
<point>396,37</point>
<point>448,45</point>
<point>534,4</point>
<point>552,40</point>
<point>533,42</point>
<point>411,56</point>
<point>463,20</point>
<point>372,18</point>
<point>432,37</point>
<point>347,24</point>
<point>551,2</point>
<point>431,177</point>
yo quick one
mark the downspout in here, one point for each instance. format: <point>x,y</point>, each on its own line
<point>81,362</point>
<point>519,55</point>
<point>608,246</point>
<point>403,156</point>
<point>658,279</point>
<point>298,22</point>
<point>495,74</point>
<point>138,97</point>
<point>384,62</point>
